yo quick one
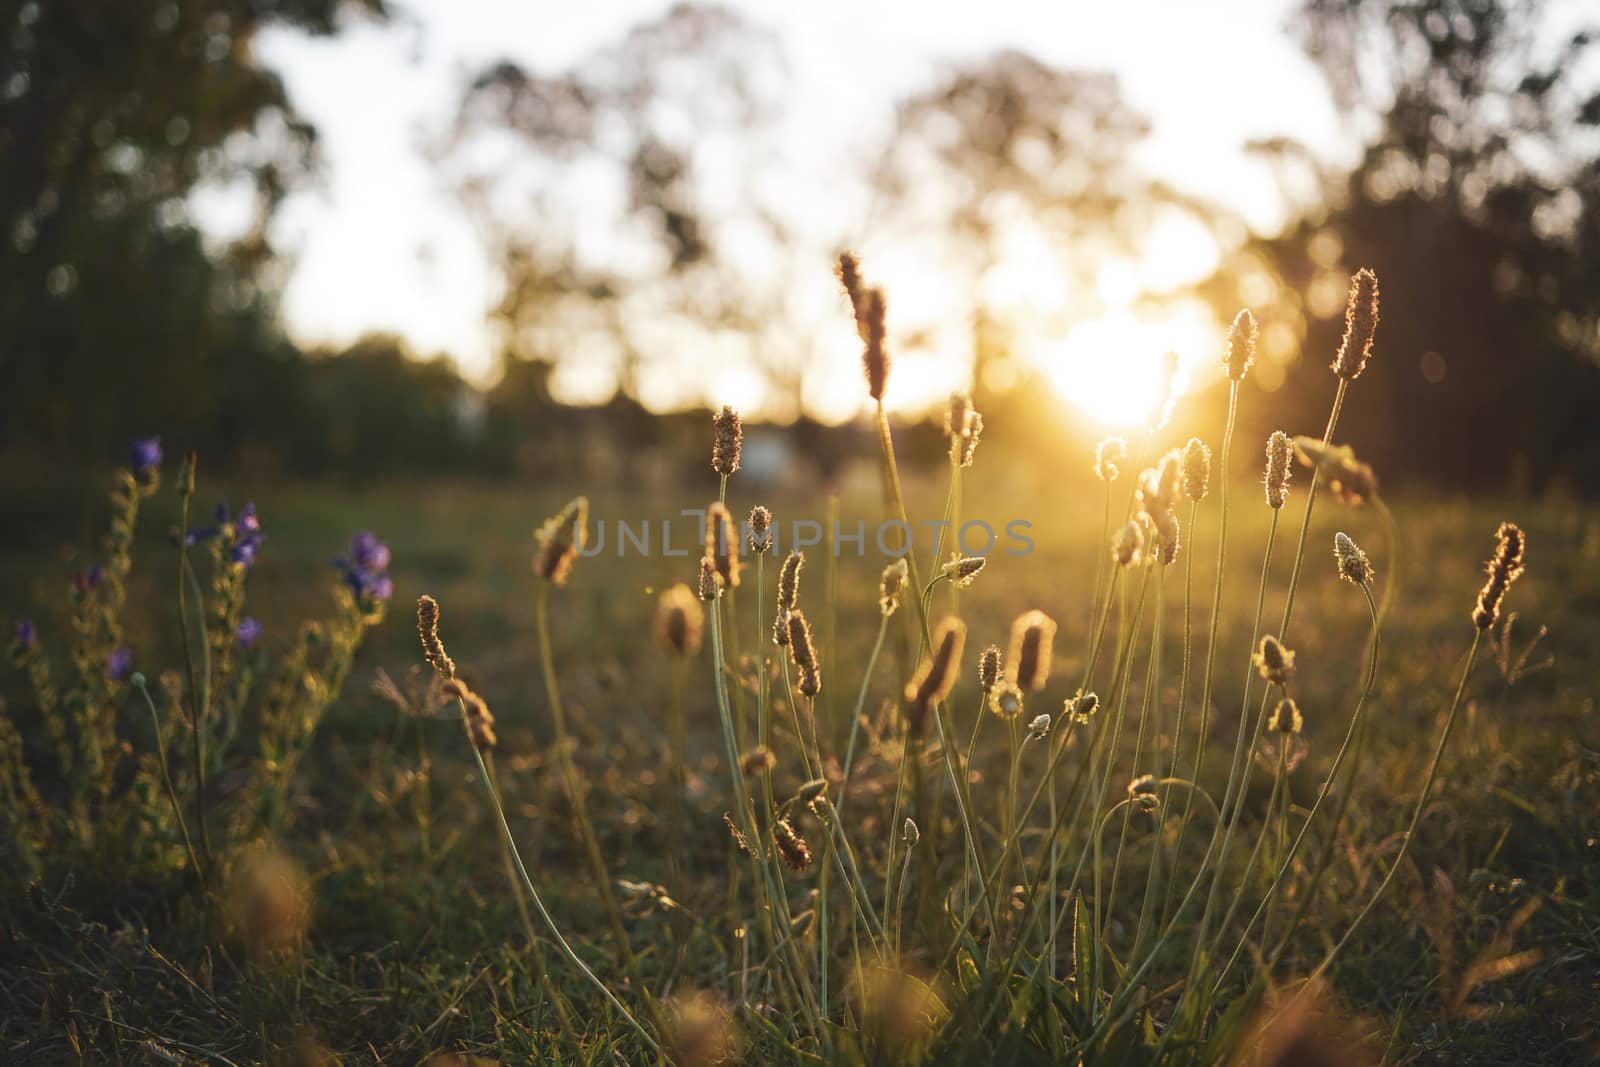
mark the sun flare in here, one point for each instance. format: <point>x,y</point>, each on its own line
<point>1110,368</point>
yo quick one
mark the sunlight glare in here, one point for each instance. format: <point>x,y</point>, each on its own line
<point>1110,368</point>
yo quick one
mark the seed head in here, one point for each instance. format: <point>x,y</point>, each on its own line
<point>727,440</point>
<point>909,834</point>
<point>710,585</point>
<point>937,677</point>
<point>480,721</point>
<point>804,654</point>
<point>1144,785</point>
<point>1504,567</point>
<point>1039,727</point>
<point>1196,469</point>
<point>1277,476</point>
<point>1286,717</point>
<point>848,268</point>
<point>1033,636</point>
<point>874,358</point>
<point>1081,706</point>
<point>433,648</point>
<point>792,848</point>
<point>1241,350</point>
<point>560,540</point>
<point>1109,457</point>
<point>680,621</point>
<point>789,579</point>
<point>758,760</point>
<point>1273,662</point>
<point>1360,326</point>
<point>989,668</point>
<point>740,842</point>
<point>1005,700</point>
<point>759,529</point>
<point>722,544</point>
<point>809,793</point>
<point>1127,544</point>
<point>1352,481</point>
<point>1166,530</point>
<point>963,425</point>
<point>963,569</point>
<point>890,585</point>
<point>1353,564</point>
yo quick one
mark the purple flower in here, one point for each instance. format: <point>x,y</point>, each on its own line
<point>366,567</point>
<point>247,633</point>
<point>244,551</point>
<point>369,553</point>
<point>27,634</point>
<point>248,522</point>
<point>246,530</point>
<point>200,533</point>
<point>89,579</point>
<point>120,664</point>
<point>145,455</point>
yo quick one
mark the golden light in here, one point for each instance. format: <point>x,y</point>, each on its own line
<point>1111,368</point>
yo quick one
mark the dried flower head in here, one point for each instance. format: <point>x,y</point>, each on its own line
<point>874,357</point>
<point>740,842</point>
<point>758,760</point>
<point>804,654</point>
<point>722,544</point>
<point>1143,785</point>
<point>1349,479</point>
<point>963,425</point>
<point>480,721</point>
<point>1277,476</point>
<point>1109,457</point>
<point>989,668</point>
<point>560,540</point>
<point>727,440</point>
<point>1080,706</point>
<point>937,677</point>
<point>848,268</point>
<point>1286,717</point>
<point>1274,662</point>
<point>1005,700</point>
<point>789,580</point>
<point>1167,536</point>
<point>1039,727</point>
<point>680,620</point>
<point>955,416</point>
<point>1504,567</point>
<point>1241,350</point>
<point>792,848</point>
<point>963,569</point>
<point>1196,469</point>
<point>1033,636</point>
<point>433,648</point>
<point>759,529</point>
<point>891,584</point>
<point>811,792</point>
<point>1360,326</point>
<point>710,585</point>
<point>1353,563</point>
<point>909,834</point>
<point>1127,544</point>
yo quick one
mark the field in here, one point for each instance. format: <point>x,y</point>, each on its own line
<point>402,938</point>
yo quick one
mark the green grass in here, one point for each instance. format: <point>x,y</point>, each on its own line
<point>415,942</point>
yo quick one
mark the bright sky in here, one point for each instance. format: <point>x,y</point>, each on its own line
<point>381,244</point>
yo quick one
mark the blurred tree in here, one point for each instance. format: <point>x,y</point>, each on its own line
<point>1477,201</point>
<point>115,314</point>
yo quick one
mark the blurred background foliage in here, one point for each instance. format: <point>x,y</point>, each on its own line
<point>1476,198</point>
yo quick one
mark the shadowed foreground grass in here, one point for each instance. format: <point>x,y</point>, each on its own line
<point>407,941</point>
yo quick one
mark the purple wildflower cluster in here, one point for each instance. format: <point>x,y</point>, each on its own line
<point>27,634</point>
<point>366,568</point>
<point>144,456</point>
<point>243,533</point>
<point>247,633</point>
<point>119,665</point>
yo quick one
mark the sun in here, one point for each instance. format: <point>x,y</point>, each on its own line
<point>1111,368</point>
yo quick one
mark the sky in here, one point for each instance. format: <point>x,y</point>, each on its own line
<point>380,244</point>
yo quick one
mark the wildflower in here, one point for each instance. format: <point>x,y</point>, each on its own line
<point>680,621</point>
<point>792,848</point>
<point>560,540</point>
<point>1286,717</point>
<point>1109,457</point>
<point>1142,792</point>
<point>1158,485</point>
<point>1274,662</point>
<point>1352,481</point>
<point>874,359</point>
<point>1033,636</point>
<point>1080,706</point>
<point>740,842</point>
<point>1005,700</point>
<point>759,529</point>
<point>119,665</point>
<point>1196,469</point>
<point>726,441</point>
<point>1504,567</point>
<point>788,592</point>
<point>963,425</point>
<point>1127,544</point>
<point>722,545</point>
<point>428,628</point>
<point>90,579</point>
<point>1353,564</point>
<point>989,668</point>
<point>804,654</point>
<point>757,761</point>
<point>890,585</point>
<point>937,677</point>
<point>1277,476</point>
<point>27,635</point>
<point>144,457</point>
<point>366,551</point>
<point>963,569</point>
<point>1241,350</point>
<point>1039,727</point>
<point>710,586</point>
<point>247,633</point>
<point>364,568</point>
<point>1360,326</point>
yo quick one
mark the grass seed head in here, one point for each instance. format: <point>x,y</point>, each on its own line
<point>710,585</point>
<point>433,648</point>
<point>792,848</point>
<point>789,579</point>
<point>1504,567</point>
<point>874,357</point>
<point>722,544</point>
<point>1350,480</point>
<point>937,677</point>
<point>1286,717</point>
<point>1354,566</point>
<point>1081,706</point>
<point>989,668</point>
<point>1109,456</point>
<point>680,620</point>
<point>1241,350</point>
<point>1196,469</point>
<point>1005,700</point>
<point>727,441</point>
<point>891,584</point>
<point>740,842</point>
<point>758,760</point>
<point>560,540</point>
<point>1277,476</point>
<point>759,529</point>
<point>1274,662</point>
<point>848,268</point>
<point>963,569</point>
<point>1360,326</point>
<point>1033,636</point>
<point>804,653</point>
<point>1127,544</point>
<point>963,426</point>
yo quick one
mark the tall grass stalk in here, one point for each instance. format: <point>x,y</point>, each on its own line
<point>138,683</point>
